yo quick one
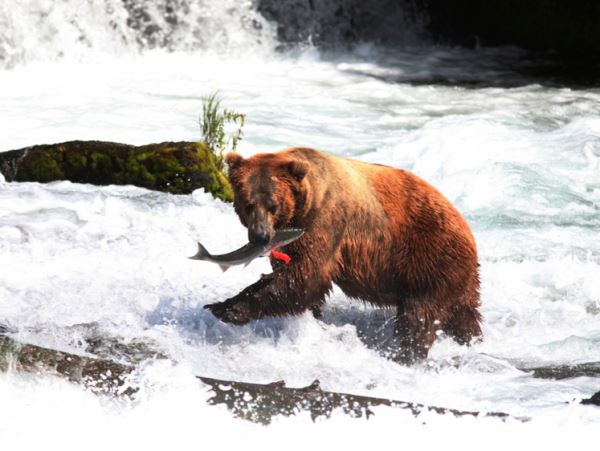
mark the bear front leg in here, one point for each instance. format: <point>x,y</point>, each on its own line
<point>290,291</point>
<point>237,310</point>
<point>292,288</point>
<point>296,289</point>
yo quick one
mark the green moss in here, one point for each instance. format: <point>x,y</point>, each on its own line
<point>136,172</point>
<point>100,165</point>
<point>226,192</point>
<point>120,161</point>
<point>76,161</point>
<point>219,184</point>
<point>43,167</point>
<point>147,179</point>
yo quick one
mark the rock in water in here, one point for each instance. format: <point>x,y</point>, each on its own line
<point>173,167</point>
<point>594,400</point>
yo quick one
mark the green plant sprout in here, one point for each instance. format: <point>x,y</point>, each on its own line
<point>213,122</point>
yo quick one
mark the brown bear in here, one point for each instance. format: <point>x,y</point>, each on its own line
<point>381,234</point>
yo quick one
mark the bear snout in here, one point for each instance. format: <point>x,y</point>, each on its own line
<point>260,229</point>
<point>261,237</point>
<point>260,233</point>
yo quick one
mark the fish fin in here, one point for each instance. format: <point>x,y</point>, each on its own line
<point>224,267</point>
<point>201,254</point>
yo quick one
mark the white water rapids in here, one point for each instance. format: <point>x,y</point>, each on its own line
<point>521,162</point>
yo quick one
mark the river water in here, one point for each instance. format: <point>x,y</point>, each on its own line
<point>519,156</point>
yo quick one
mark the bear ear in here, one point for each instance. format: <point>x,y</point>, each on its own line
<point>233,160</point>
<point>297,169</point>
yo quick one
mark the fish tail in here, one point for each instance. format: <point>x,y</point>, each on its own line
<point>201,254</point>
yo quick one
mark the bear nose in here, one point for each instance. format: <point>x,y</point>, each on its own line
<point>259,236</point>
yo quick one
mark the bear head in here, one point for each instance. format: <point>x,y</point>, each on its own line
<point>268,191</point>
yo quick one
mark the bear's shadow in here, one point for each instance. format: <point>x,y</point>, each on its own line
<point>374,326</point>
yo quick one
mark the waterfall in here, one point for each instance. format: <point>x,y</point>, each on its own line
<point>34,30</point>
<point>46,30</point>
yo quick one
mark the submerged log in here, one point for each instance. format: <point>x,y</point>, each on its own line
<point>173,167</point>
<point>258,403</point>
<point>589,369</point>
<point>98,375</point>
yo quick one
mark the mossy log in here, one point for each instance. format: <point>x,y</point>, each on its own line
<point>173,167</point>
<point>258,403</point>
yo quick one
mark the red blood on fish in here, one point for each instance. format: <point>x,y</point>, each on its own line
<point>281,256</point>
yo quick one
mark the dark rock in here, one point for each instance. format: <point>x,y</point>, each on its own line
<point>588,369</point>
<point>338,22</point>
<point>570,28</point>
<point>594,400</point>
<point>566,27</point>
<point>173,167</point>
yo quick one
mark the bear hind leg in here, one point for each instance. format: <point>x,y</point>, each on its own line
<point>415,334</point>
<point>463,320</point>
<point>316,310</point>
<point>463,326</point>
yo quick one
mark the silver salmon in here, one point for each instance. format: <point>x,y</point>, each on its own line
<point>248,252</point>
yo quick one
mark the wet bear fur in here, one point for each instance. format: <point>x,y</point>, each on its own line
<point>382,234</point>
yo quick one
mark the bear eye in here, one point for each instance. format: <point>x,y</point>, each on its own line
<point>249,208</point>
<point>272,209</point>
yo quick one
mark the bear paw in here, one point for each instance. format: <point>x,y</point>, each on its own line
<point>237,313</point>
